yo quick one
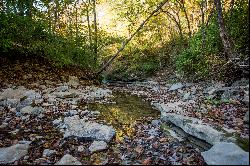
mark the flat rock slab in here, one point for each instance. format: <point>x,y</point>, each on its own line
<point>196,128</point>
<point>97,146</point>
<point>224,153</point>
<point>177,107</point>
<point>10,154</point>
<point>18,93</point>
<point>31,110</point>
<point>68,160</point>
<point>74,126</point>
<point>176,86</point>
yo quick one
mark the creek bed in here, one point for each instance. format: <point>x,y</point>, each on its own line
<point>124,113</point>
<point>129,109</point>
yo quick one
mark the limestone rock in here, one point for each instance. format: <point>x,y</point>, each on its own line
<point>156,123</point>
<point>68,160</point>
<point>10,103</point>
<point>224,153</point>
<point>177,107</point>
<point>196,128</point>
<point>31,110</point>
<point>246,117</point>
<point>99,93</point>
<point>97,146</point>
<point>176,86</point>
<point>80,148</point>
<point>10,154</point>
<point>18,97</point>
<point>74,126</point>
<point>186,96</point>
<point>62,88</point>
<point>48,152</point>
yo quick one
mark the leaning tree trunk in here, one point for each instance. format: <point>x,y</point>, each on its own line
<point>226,41</point>
<point>129,39</point>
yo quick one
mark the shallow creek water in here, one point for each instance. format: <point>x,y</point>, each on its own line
<point>124,113</point>
<point>128,109</point>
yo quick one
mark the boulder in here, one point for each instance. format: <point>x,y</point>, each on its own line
<point>224,153</point>
<point>74,126</point>
<point>68,160</point>
<point>10,154</point>
<point>97,146</point>
<point>176,86</point>
<point>197,128</point>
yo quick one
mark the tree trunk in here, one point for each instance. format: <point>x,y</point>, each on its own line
<point>29,8</point>
<point>182,3</point>
<point>129,39</point>
<point>203,25</point>
<point>95,34</point>
<point>55,14</point>
<point>226,41</point>
<point>89,28</point>
<point>76,22</point>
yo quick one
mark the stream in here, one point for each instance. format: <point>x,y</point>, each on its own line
<point>127,109</point>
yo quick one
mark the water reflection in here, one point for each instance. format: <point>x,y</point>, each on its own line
<point>122,115</point>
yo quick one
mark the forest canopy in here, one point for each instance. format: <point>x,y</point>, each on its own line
<point>183,35</point>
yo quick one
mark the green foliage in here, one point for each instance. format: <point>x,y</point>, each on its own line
<point>25,36</point>
<point>201,62</point>
<point>238,26</point>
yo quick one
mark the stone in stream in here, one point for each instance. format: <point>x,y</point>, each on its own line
<point>68,160</point>
<point>176,86</point>
<point>74,126</point>
<point>224,153</point>
<point>97,146</point>
<point>10,154</point>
